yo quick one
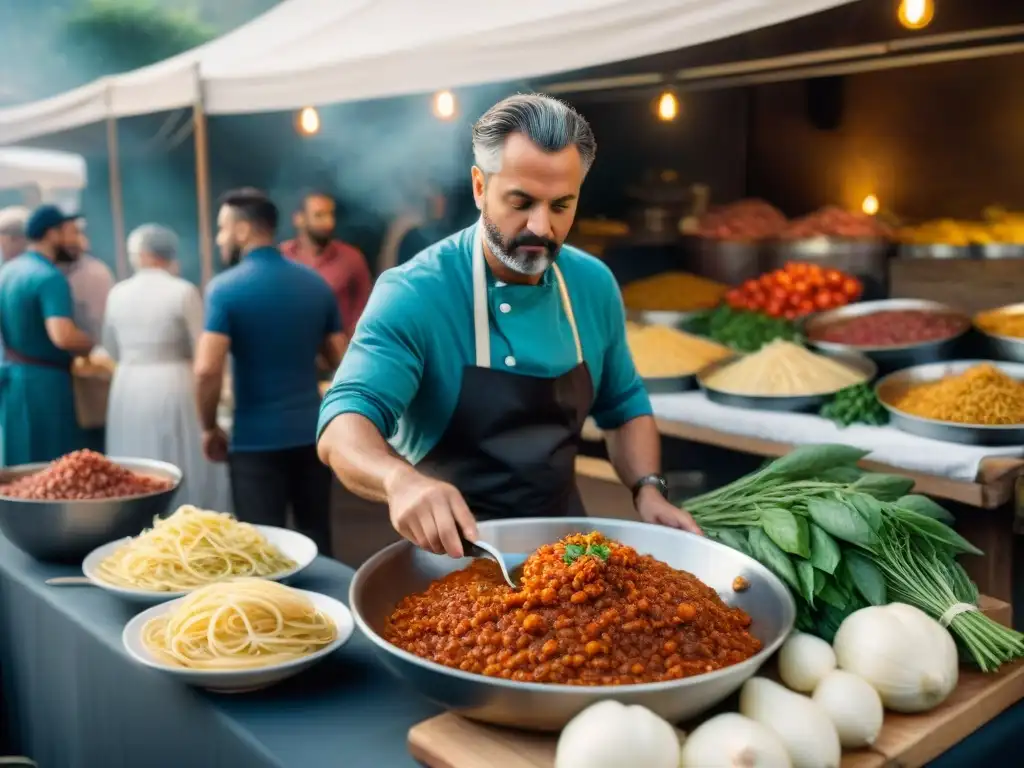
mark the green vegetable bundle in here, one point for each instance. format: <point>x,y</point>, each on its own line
<point>743,331</point>
<point>842,539</point>
<point>855,405</point>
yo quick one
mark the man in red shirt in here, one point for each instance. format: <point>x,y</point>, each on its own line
<point>343,266</point>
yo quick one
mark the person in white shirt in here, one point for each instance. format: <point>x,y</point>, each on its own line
<point>150,329</point>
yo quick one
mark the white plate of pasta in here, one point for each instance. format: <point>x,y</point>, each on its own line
<point>238,636</point>
<point>191,549</point>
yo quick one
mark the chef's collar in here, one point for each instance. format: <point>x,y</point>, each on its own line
<point>546,279</point>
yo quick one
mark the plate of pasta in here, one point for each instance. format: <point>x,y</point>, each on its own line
<point>193,548</point>
<point>238,636</point>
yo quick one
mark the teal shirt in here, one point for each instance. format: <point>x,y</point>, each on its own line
<point>403,368</point>
<point>32,290</point>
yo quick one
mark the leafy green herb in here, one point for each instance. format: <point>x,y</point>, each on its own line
<point>925,506</point>
<point>855,405</point>
<point>769,553</point>
<point>743,331</point>
<point>574,552</point>
<point>868,508</point>
<point>865,577</point>
<point>787,530</point>
<point>883,487</point>
<point>805,575</point>
<point>824,550</point>
<point>809,460</point>
<point>841,522</point>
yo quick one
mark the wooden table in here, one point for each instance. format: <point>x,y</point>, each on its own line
<point>993,490</point>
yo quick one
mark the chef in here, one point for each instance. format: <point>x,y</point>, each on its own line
<point>469,377</point>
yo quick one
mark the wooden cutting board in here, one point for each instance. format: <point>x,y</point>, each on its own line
<point>449,741</point>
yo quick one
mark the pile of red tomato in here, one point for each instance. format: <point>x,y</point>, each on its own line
<point>796,290</point>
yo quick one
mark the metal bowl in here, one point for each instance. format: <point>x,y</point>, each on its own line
<point>890,358</point>
<point>1000,250</point>
<point>66,531</point>
<point>893,385</point>
<point>788,403</point>
<point>866,259</point>
<point>402,569</point>
<point>670,318</point>
<point>669,385</point>
<point>727,261</point>
<point>1003,347</point>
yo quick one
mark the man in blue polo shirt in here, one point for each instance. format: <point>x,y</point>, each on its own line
<point>480,359</point>
<point>274,317</point>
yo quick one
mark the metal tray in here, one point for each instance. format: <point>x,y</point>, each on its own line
<point>1000,251</point>
<point>401,569</point>
<point>672,319</point>
<point>1003,347</point>
<point>890,358</point>
<point>948,431</point>
<point>793,403</point>
<point>934,251</point>
<point>668,385</point>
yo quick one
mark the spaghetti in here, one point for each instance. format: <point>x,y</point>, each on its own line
<point>192,548</point>
<point>239,624</point>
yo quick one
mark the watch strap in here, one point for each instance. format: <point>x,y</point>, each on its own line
<point>654,480</point>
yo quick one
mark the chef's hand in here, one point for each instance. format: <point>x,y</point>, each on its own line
<point>215,445</point>
<point>429,513</point>
<point>655,508</point>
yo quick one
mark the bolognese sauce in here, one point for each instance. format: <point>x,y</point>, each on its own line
<point>589,611</point>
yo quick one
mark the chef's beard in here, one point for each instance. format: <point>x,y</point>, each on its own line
<point>234,256</point>
<point>65,256</point>
<point>509,253</point>
<point>320,239</point>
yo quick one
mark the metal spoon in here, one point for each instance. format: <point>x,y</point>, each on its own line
<point>511,565</point>
<point>69,581</point>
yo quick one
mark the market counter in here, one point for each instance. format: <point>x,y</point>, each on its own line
<point>72,698</point>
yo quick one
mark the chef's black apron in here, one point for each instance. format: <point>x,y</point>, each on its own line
<point>510,446</point>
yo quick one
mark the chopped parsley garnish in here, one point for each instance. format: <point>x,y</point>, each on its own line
<point>574,552</point>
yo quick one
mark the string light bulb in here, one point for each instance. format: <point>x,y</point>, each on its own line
<point>870,205</point>
<point>309,121</point>
<point>916,14</point>
<point>668,107</point>
<point>444,105</point>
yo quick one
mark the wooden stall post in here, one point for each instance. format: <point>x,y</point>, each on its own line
<point>202,149</point>
<point>116,193</point>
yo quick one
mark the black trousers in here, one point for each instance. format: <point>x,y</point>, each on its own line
<point>264,484</point>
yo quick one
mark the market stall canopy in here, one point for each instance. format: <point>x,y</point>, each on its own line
<point>309,52</point>
<point>46,169</point>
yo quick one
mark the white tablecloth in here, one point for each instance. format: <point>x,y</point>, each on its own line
<point>888,445</point>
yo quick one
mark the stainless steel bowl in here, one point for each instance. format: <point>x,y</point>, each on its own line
<point>66,531</point>
<point>402,569</point>
<point>668,385</point>
<point>788,403</point>
<point>865,259</point>
<point>1000,250</point>
<point>934,251</point>
<point>672,319</point>
<point>890,358</point>
<point>1003,347</point>
<point>727,261</point>
<point>892,386</point>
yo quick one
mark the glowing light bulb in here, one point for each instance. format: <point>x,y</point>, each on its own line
<point>668,106</point>
<point>870,205</point>
<point>916,14</point>
<point>309,121</point>
<point>444,105</point>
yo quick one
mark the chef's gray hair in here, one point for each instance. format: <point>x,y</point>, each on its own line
<point>153,239</point>
<point>549,123</point>
<point>13,221</point>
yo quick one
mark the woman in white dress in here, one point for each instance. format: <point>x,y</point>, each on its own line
<point>150,328</point>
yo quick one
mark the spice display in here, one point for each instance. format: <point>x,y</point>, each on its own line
<point>892,328</point>
<point>659,351</point>
<point>783,369</point>
<point>83,475</point>
<point>855,405</point>
<point>999,227</point>
<point>743,331</point>
<point>835,222</point>
<point>982,395</point>
<point>1000,323</point>
<point>744,220</point>
<point>590,611</point>
<point>795,290</point>
<point>843,539</point>
<point>673,292</point>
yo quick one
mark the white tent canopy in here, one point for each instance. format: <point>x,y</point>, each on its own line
<point>48,170</point>
<point>308,52</point>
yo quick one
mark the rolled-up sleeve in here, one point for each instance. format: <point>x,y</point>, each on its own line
<point>383,364</point>
<point>55,297</point>
<point>621,395</point>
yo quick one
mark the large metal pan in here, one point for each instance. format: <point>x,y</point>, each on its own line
<point>402,569</point>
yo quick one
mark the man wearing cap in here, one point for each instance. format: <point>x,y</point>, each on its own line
<point>37,405</point>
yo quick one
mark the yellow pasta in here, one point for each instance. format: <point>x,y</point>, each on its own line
<point>189,549</point>
<point>662,352</point>
<point>783,369</point>
<point>239,624</point>
<point>982,395</point>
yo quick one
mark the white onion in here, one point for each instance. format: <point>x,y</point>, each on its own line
<point>853,706</point>
<point>804,660</point>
